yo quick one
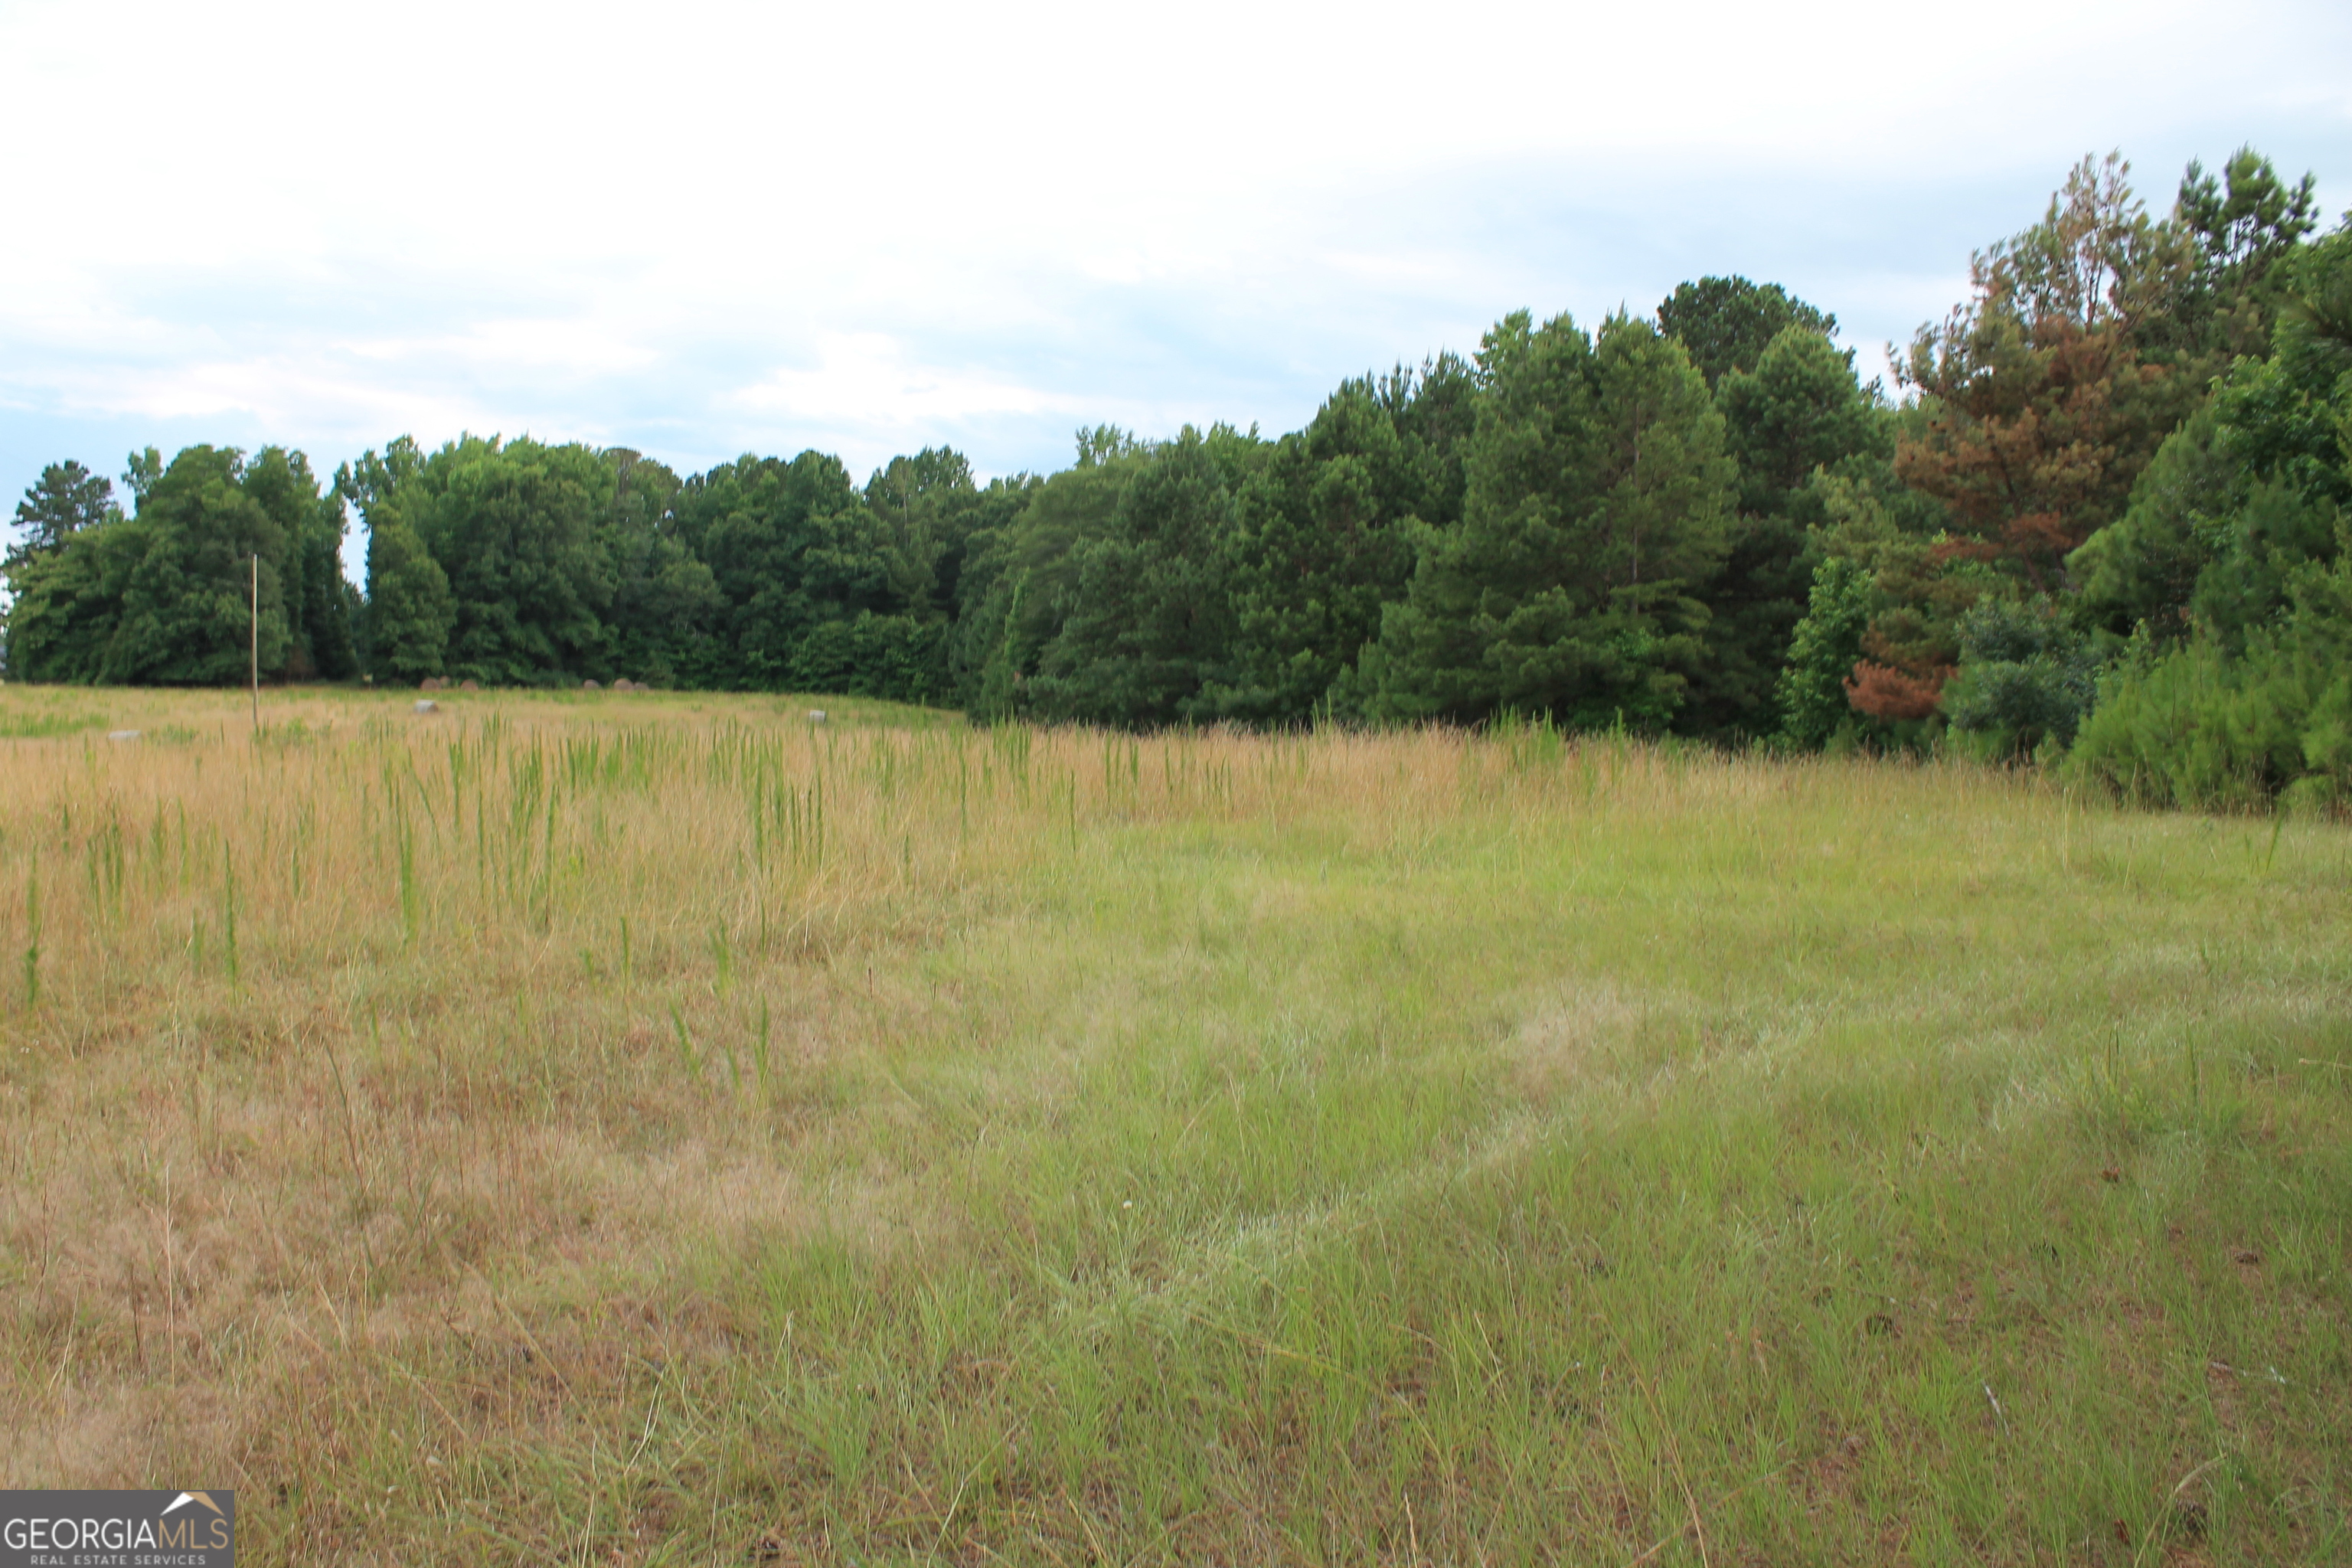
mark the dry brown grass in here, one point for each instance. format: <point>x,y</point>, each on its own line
<point>276,1109</point>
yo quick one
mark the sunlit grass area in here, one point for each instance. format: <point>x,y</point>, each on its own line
<point>620,1128</point>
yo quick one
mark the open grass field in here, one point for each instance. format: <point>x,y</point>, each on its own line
<point>631,1129</point>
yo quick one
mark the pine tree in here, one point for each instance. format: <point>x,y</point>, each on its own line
<point>66,499</point>
<point>1800,410</point>
<point>1597,502</point>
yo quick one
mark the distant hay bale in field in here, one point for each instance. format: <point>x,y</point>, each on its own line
<point>589,685</point>
<point>468,686</point>
<point>123,735</point>
<point>816,716</point>
<point>431,683</point>
<point>426,705</point>
<point>625,684</point>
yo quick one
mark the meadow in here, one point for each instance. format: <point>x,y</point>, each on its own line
<point>632,1129</point>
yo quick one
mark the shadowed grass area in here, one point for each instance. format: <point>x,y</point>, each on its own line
<point>653,1129</point>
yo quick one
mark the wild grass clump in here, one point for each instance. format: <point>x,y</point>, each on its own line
<point>663,1130</point>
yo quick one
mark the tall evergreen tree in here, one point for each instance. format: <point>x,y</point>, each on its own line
<point>1727,323</point>
<point>1599,502</point>
<point>1799,412</point>
<point>1322,539</point>
<point>2251,489</point>
<point>2243,223</point>
<point>2041,403</point>
<point>66,498</point>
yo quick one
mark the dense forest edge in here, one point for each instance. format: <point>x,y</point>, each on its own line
<point>2099,525</point>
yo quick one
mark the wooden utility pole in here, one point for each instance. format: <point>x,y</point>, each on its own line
<point>254,647</point>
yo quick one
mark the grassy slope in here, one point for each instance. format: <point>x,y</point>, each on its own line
<point>634,1128</point>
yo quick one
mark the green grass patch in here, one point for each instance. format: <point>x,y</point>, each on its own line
<point>660,1130</point>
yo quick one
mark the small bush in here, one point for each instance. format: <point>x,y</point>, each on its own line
<point>2198,728</point>
<point>2026,679</point>
<point>1822,652</point>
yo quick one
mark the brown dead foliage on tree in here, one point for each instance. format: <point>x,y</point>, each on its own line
<point>1886,692</point>
<point>2042,403</point>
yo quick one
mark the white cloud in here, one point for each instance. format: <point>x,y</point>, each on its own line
<point>867,378</point>
<point>719,226</point>
<point>569,346</point>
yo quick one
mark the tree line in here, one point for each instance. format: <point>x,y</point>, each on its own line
<point>2099,520</point>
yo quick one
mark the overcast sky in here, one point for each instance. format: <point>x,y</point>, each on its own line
<point>702,229</point>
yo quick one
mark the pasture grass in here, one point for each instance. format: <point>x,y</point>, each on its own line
<point>629,1128</point>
